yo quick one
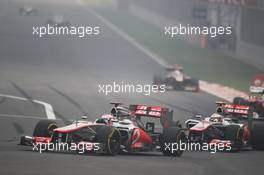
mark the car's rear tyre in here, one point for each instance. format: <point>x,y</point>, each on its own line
<point>193,84</point>
<point>176,124</point>
<point>234,133</point>
<point>158,80</point>
<point>110,138</point>
<point>257,137</point>
<point>172,136</point>
<point>44,128</point>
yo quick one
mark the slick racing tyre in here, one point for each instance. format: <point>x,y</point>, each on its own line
<point>176,124</point>
<point>172,136</point>
<point>234,133</point>
<point>191,85</point>
<point>110,138</point>
<point>44,128</point>
<point>158,80</point>
<point>257,138</point>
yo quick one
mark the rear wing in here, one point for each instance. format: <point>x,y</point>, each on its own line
<point>164,114</point>
<point>242,112</point>
<point>233,108</point>
<point>236,109</point>
<point>149,111</point>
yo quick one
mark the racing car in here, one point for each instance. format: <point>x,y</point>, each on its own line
<point>122,130</point>
<point>232,125</point>
<point>58,21</point>
<point>27,10</point>
<point>256,97</point>
<point>175,79</point>
<point>256,103</point>
<point>257,84</point>
<point>145,128</point>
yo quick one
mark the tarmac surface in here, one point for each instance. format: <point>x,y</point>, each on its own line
<point>42,67</point>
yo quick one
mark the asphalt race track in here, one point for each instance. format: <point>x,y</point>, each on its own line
<point>75,67</point>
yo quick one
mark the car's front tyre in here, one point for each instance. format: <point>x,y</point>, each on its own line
<point>44,128</point>
<point>110,138</point>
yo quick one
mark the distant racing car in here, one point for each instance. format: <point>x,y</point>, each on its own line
<point>27,10</point>
<point>257,84</point>
<point>175,79</point>
<point>255,102</point>
<point>256,97</point>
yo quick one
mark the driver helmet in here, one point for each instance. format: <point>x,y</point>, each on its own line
<point>253,98</point>
<point>105,118</point>
<point>216,118</point>
<point>220,111</point>
<point>120,112</point>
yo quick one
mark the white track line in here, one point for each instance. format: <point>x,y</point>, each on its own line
<point>20,116</point>
<point>48,108</point>
<point>228,94</point>
<point>125,36</point>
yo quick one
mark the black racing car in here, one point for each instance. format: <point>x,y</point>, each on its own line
<point>175,79</point>
<point>27,11</point>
